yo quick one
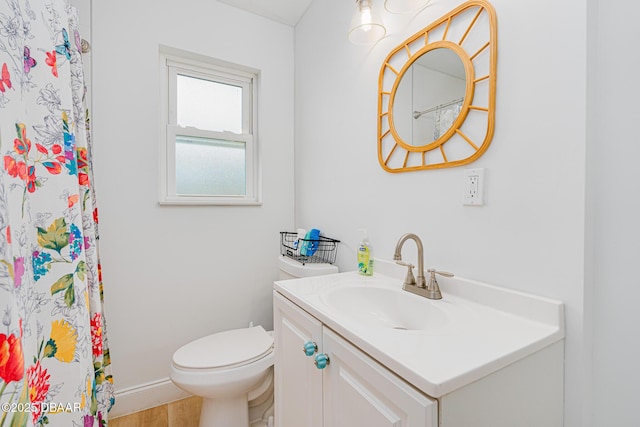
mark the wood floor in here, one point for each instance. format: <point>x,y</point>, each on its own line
<point>182,413</point>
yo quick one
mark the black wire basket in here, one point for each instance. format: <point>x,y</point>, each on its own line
<point>324,248</point>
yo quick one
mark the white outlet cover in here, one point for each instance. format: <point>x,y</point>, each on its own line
<point>473,188</point>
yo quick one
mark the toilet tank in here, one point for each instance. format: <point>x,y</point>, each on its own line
<point>291,269</point>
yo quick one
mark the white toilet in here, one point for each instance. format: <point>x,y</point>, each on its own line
<point>232,369</point>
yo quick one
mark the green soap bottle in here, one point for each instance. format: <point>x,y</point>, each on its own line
<point>365,255</point>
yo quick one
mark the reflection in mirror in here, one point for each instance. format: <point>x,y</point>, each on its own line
<point>429,97</point>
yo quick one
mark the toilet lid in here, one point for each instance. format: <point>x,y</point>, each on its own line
<point>225,349</point>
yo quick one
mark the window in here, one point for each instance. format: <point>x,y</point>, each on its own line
<point>209,150</point>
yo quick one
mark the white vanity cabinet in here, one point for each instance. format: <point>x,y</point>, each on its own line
<point>298,383</point>
<point>483,356</point>
<point>353,390</point>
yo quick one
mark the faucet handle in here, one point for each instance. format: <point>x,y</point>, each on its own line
<point>432,272</point>
<point>405,264</point>
<point>433,289</point>
<point>410,278</point>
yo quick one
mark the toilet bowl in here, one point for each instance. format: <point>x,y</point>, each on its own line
<point>233,370</point>
<point>227,369</point>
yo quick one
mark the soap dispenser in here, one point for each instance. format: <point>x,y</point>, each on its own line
<point>365,255</point>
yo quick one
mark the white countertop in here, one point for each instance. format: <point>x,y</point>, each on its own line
<point>486,328</point>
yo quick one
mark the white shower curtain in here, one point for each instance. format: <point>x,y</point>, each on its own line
<point>54,357</point>
<point>445,116</point>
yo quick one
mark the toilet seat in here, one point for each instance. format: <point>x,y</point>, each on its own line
<point>225,350</point>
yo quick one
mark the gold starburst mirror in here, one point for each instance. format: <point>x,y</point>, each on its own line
<point>436,96</point>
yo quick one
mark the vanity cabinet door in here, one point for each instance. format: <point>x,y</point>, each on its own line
<point>298,383</point>
<point>359,392</point>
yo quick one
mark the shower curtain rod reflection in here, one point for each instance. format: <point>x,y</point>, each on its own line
<point>417,114</point>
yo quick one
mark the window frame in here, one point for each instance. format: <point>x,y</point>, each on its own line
<point>174,62</point>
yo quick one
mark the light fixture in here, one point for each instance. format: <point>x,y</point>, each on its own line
<point>404,6</point>
<point>366,25</point>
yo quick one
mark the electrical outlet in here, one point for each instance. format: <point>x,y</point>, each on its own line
<point>473,187</point>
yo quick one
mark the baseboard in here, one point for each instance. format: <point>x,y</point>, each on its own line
<point>145,396</point>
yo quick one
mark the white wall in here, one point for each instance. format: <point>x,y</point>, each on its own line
<point>172,274</point>
<point>530,233</point>
<point>614,232</point>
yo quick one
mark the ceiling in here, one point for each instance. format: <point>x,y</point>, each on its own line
<point>284,11</point>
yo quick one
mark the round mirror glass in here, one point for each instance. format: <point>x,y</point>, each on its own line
<point>429,97</point>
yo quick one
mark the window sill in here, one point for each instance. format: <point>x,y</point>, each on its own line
<point>208,201</point>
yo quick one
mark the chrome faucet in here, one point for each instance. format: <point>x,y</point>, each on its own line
<point>418,285</point>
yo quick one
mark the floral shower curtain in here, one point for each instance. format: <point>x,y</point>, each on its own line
<point>54,357</point>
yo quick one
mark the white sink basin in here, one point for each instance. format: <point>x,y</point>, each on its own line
<point>437,345</point>
<point>386,308</point>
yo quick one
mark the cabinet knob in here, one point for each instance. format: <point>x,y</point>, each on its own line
<point>321,361</point>
<point>310,348</point>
